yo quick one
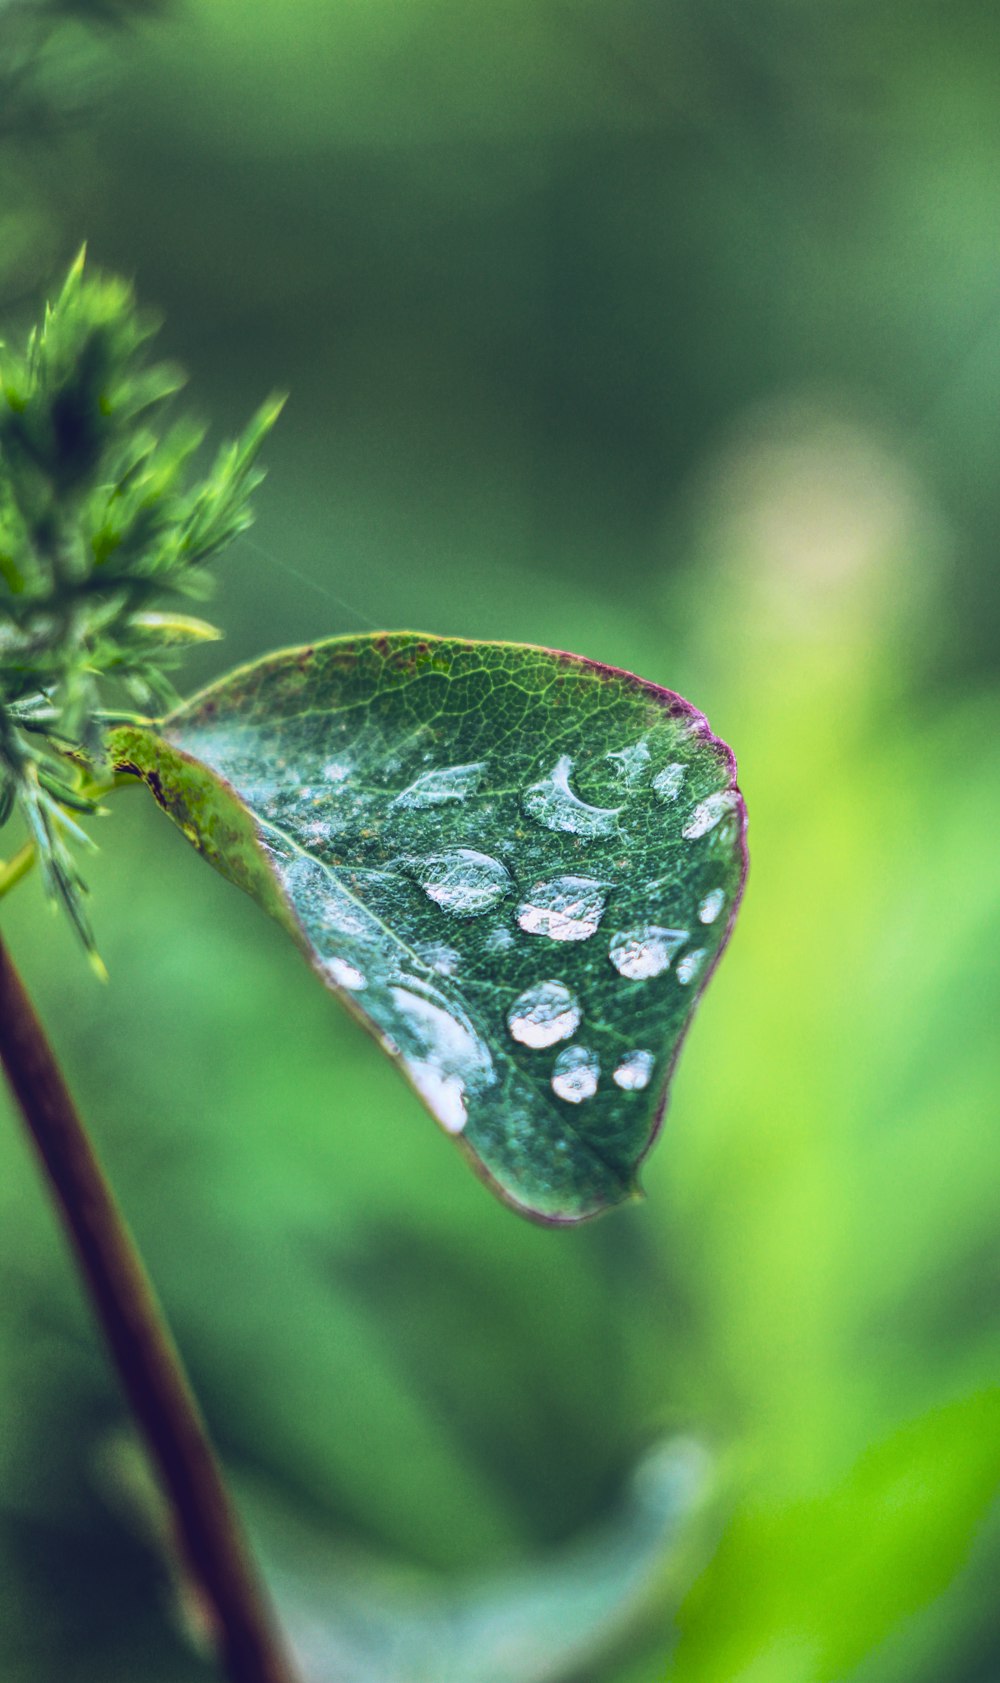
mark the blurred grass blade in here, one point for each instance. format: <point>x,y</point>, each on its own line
<point>515,866</point>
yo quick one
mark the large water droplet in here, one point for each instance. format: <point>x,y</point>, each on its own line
<point>462,881</point>
<point>565,909</point>
<point>344,975</point>
<point>445,1058</point>
<point>575,1074</point>
<point>447,783</point>
<point>712,905</point>
<point>553,803</point>
<point>667,783</point>
<point>689,966</point>
<point>543,1014</point>
<point>708,813</point>
<point>634,1071</point>
<point>646,951</point>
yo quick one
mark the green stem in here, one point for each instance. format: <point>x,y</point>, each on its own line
<point>249,1647</point>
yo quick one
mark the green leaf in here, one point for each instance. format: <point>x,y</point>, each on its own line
<point>362,1620</point>
<point>515,866</point>
<point>356,1617</point>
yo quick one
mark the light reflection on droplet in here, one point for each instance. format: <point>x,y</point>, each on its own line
<point>708,813</point>
<point>712,905</point>
<point>667,783</point>
<point>344,975</point>
<point>575,1074</point>
<point>634,1071</point>
<point>565,909</point>
<point>689,966</point>
<point>462,881</point>
<point>646,951</point>
<point>445,1058</point>
<point>543,1015</point>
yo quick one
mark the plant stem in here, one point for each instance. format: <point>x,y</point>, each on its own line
<point>249,1647</point>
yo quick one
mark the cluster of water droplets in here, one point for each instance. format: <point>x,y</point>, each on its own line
<point>446,1058</point>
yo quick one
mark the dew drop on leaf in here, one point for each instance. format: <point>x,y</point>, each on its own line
<point>444,959</point>
<point>712,905</point>
<point>689,966</point>
<point>634,1071</point>
<point>462,881</point>
<point>708,813</point>
<point>575,1074</point>
<point>640,953</point>
<point>565,909</point>
<point>445,1058</point>
<point>553,803</point>
<point>544,1014</point>
<point>667,783</point>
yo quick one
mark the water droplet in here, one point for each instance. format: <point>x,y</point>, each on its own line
<point>667,783</point>
<point>447,783</point>
<point>689,966</point>
<point>565,909</point>
<point>543,1014</point>
<point>498,941</point>
<point>634,1071</point>
<point>553,803</point>
<point>640,953</point>
<point>575,1074</point>
<point>630,763</point>
<point>462,881</point>
<point>708,813</point>
<point>445,960</point>
<point>712,905</point>
<point>344,975</point>
<point>445,1058</point>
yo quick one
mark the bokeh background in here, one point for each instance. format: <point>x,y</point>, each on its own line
<point>667,331</point>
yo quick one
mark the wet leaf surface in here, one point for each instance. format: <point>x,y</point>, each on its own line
<point>516,867</point>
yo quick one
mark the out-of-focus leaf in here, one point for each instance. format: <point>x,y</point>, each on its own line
<point>355,1618</point>
<point>516,866</point>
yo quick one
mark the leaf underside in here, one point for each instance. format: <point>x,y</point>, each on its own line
<point>516,866</point>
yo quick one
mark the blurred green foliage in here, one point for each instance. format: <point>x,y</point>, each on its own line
<point>667,334</point>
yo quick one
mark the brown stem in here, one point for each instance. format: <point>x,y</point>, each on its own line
<point>249,1646</point>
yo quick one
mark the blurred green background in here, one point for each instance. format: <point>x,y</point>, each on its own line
<point>668,333</point>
